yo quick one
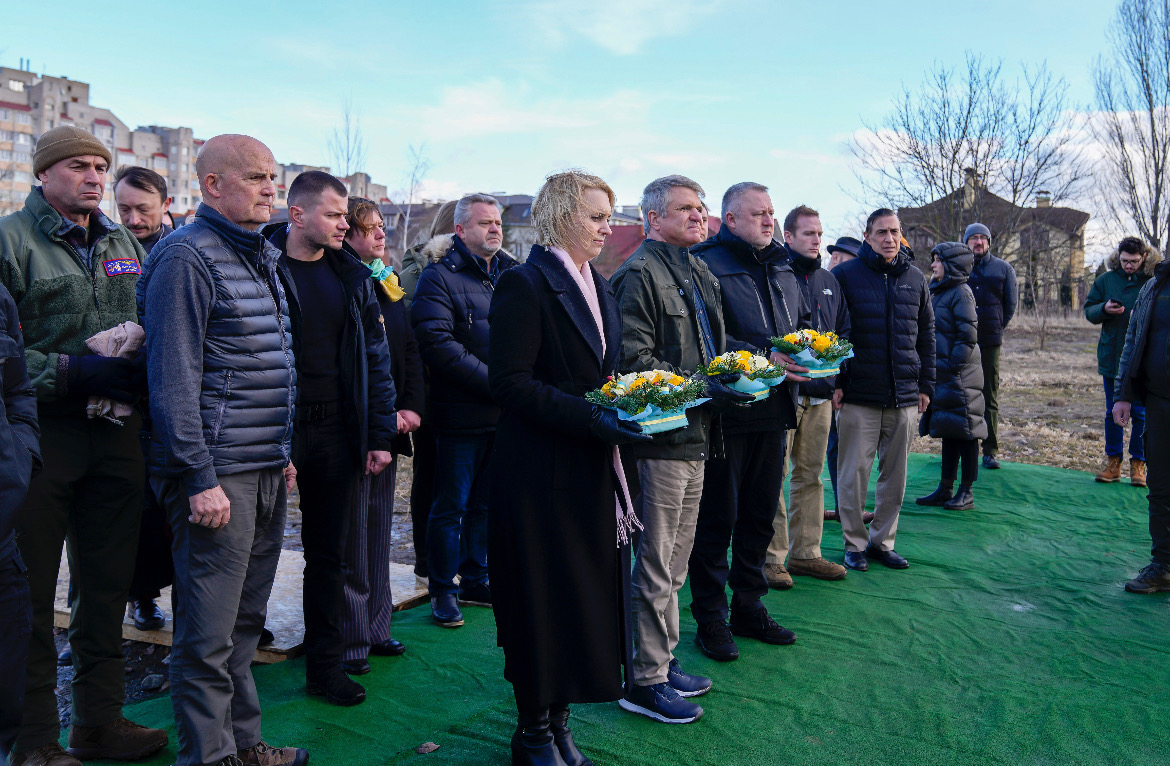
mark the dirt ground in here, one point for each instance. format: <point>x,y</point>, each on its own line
<point>1051,412</point>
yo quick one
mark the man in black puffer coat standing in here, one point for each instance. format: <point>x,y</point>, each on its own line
<point>993,281</point>
<point>450,317</point>
<point>741,489</point>
<point>887,383</point>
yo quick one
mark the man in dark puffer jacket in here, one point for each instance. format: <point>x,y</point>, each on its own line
<point>222,390</point>
<point>741,489</point>
<point>888,381</point>
<point>993,281</point>
<point>798,527</point>
<point>450,317</point>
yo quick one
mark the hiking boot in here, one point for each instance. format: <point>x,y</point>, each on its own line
<point>336,687</point>
<point>660,702</point>
<point>759,625</point>
<point>445,610</point>
<point>119,740</point>
<point>818,568</point>
<point>1155,578</point>
<point>264,754</point>
<point>939,497</point>
<point>1112,471</point>
<point>964,500</point>
<point>1137,472</point>
<point>715,641</point>
<point>777,576</point>
<point>46,755</point>
<point>990,463</point>
<point>685,684</point>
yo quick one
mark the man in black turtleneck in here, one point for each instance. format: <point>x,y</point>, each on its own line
<point>797,529</point>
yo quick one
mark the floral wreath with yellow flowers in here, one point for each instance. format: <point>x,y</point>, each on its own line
<point>823,346</point>
<point>633,392</point>
<point>745,363</point>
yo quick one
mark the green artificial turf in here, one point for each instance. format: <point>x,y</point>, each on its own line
<point>1008,641</point>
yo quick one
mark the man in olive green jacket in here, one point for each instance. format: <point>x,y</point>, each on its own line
<point>672,320</point>
<point>1109,304</point>
<point>73,273</point>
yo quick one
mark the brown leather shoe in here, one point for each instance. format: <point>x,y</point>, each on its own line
<point>1137,472</point>
<point>1112,471</point>
<point>46,755</point>
<point>777,576</point>
<point>867,517</point>
<point>818,568</point>
<point>264,754</point>
<point>119,740</point>
<point>832,515</point>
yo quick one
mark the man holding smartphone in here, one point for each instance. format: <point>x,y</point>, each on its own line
<point>1110,304</point>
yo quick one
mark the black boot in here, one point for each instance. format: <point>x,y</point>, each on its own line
<point>940,496</point>
<point>963,500</point>
<point>558,720</point>
<point>533,743</point>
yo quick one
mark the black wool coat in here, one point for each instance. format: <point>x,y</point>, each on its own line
<point>956,411</point>
<point>555,567</point>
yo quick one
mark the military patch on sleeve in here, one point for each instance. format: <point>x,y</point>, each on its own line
<point>118,266</point>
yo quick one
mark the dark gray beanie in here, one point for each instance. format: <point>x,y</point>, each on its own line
<point>976,228</point>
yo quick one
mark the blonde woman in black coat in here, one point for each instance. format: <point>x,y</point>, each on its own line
<point>955,414</point>
<point>560,520</point>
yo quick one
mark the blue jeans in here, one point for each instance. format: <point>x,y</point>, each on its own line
<point>1115,434</point>
<point>457,529</point>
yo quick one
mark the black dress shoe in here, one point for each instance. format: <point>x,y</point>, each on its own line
<point>355,667</point>
<point>476,594</point>
<point>336,686</point>
<point>856,560</point>
<point>65,658</point>
<point>938,498</point>
<point>964,500</point>
<point>990,463</point>
<point>715,641</point>
<point>558,724</point>
<point>147,615</point>
<point>889,558</point>
<point>266,637</point>
<point>389,648</point>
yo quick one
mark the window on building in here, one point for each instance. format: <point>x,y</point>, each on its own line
<point>5,114</point>
<point>184,151</point>
<point>6,135</point>
<point>22,177</point>
<point>16,85</point>
<point>24,118</point>
<point>22,139</point>
<point>20,156</point>
<point>160,163</point>
<point>5,155</point>
<point>174,166</point>
<point>183,201</point>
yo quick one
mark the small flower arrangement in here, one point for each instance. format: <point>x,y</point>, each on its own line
<point>821,353</point>
<point>756,374</point>
<point>656,399</point>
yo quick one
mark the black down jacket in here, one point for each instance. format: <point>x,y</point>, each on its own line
<point>449,312</point>
<point>993,282</point>
<point>761,299</point>
<point>956,411</point>
<point>891,328</point>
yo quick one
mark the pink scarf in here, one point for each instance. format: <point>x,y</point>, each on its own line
<point>627,522</point>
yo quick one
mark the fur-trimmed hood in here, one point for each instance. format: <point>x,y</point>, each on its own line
<point>441,244</point>
<point>1152,260</point>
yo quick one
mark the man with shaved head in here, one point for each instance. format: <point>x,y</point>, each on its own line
<point>222,387</point>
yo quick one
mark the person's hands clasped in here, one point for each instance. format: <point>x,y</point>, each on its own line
<point>1121,412</point>
<point>377,460</point>
<point>210,508</point>
<point>605,424</point>
<point>794,369</point>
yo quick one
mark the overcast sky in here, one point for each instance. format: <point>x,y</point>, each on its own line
<point>504,93</point>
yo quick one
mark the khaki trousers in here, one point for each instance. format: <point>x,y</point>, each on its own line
<point>798,527</point>
<point>864,431</point>
<point>671,490</point>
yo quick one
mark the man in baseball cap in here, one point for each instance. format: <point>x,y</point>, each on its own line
<point>73,273</point>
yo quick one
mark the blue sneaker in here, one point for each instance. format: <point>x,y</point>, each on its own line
<point>445,610</point>
<point>684,683</point>
<point>662,703</point>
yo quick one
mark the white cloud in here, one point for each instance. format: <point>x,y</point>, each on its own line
<point>622,27</point>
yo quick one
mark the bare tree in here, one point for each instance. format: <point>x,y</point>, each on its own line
<point>1015,139</point>
<point>347,145</point>
<point>418,165</point>
<point>1133,122</point>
